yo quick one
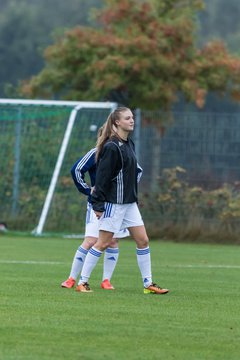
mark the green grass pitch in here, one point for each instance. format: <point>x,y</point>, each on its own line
<point>198,319</point>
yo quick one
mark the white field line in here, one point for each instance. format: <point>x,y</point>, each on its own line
<point>207,266</point>
<point>187,266</point>
<point>31,262</point>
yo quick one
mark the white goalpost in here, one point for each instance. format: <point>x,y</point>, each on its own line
<point>75,107</point>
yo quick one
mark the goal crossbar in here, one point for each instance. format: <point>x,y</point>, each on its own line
<point>85,104</point>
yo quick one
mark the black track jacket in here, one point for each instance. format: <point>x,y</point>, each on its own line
<point>117,174</point>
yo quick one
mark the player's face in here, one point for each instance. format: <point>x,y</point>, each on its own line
<point>126,121</point>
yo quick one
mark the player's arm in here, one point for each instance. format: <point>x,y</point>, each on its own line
<point>108,167</point>
<point>139,172</point>
<point>79,169</point>
<point>139,169</point>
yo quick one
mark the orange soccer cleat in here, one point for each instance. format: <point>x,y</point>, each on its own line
<point>69,283</point>
<point>106,285</point>
<point>83,288</point>
<point>155,289</point>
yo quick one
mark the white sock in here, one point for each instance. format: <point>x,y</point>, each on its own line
<point>110,262</point>
<point>91,261</point>
<point>144,263</point>
<point>78,261</point>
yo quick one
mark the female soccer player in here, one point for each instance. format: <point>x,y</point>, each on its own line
<point>114,198</point>
<point>88,164</point>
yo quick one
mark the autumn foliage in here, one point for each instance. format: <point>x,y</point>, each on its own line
<point>143,55</point>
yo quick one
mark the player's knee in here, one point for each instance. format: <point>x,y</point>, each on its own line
<point>143,242</point>
<point>104,240</point>
<point>101,246</point>
<point>113,243</point>
<point>89,242</point>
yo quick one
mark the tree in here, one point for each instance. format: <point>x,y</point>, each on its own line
<point>144,54</point>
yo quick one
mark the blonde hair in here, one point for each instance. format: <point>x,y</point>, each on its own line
<point>100,130</point>
<point>109,129</point>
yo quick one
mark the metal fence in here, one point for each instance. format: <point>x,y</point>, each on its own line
<point>207,145</point>
<point>191,179</point>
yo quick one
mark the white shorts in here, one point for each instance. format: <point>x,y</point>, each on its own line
<point>120,216</point>
<point>92,225</point>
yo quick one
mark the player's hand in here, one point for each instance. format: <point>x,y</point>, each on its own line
<point>98,214</point>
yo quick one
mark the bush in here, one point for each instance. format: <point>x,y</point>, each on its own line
<point>183,212</point>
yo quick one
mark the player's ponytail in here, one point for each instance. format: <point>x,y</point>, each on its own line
<point>108,129</point>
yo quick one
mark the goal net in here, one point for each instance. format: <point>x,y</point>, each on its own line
<point>40,141</point>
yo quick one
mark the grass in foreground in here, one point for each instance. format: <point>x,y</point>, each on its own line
<point>198,319</point>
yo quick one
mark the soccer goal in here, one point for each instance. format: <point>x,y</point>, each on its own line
<point>40,141</point>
